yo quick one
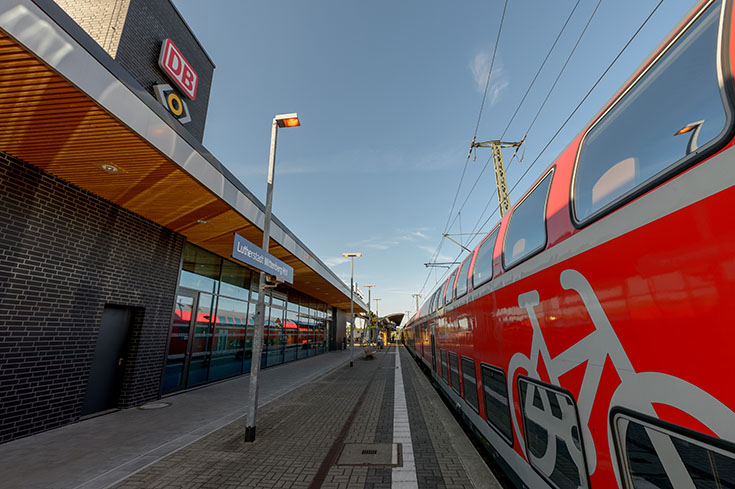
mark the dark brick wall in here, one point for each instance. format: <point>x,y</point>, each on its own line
<point>147,25</point>
<point>64,254</point>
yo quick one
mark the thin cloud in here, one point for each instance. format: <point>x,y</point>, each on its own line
<point>480,67</point>
<point>362,161</point>
<point>430,250</point>
<point>377,246</point>
<point>334,261</point>
<point>411,234</point>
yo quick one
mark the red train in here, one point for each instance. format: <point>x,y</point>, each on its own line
<point>588,337</point>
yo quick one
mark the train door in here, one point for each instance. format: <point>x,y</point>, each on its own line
<point>433,349</point>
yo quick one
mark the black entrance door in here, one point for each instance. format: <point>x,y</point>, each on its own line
<point>108,363</point>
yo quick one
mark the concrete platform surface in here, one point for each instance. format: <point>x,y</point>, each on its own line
<point>101,451</point>
<point>378,424</point>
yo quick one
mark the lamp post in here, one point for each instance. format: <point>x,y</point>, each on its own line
<point>377,317</point>
<point>352,256</point>
<point>282,120</point>
<point>369,287</point>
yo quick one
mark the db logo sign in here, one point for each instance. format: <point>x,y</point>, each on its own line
<point>169,98</point>
<point>173,63</point>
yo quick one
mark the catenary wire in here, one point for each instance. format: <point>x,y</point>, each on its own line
<point>531,165</point>
<point>635,34</point>
<point>543,63</point>
<point>543,104</point>
<point>538,72</point>
<point>477,126</point>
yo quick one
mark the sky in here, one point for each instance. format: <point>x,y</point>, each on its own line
<point>389,93</point>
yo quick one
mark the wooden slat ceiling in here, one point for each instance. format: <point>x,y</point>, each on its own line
<point>49,123</point>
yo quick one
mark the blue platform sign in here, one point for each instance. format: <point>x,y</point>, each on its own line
<point>246,252</point>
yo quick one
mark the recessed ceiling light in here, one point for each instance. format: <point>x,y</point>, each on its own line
<point>110,168</point>
<point>202,221</point>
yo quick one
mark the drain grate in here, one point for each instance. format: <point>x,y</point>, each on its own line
<point>370,454</point>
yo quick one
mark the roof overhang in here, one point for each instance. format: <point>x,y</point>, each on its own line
<point>68,108</point>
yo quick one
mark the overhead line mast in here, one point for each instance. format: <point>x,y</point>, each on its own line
<point>501,182</point>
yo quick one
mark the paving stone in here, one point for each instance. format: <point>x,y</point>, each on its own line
<point>297,431</point>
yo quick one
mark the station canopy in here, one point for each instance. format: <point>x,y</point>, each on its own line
<point>69,109</point>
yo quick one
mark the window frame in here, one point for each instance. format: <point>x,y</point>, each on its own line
<point>727,93</point>
<point>443,365</point>
<point>536,251</point>
<point>466,263</point>
<point>510,441</point>
<point>561,390</point>
<point>496,230</point>
<point>476,406</point>
<point>449,290</point>
<point>456,388</point>
<point>644,420</point>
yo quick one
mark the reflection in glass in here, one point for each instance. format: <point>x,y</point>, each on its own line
<point>303,338</point>
<point>274,337</point>
<point>230,330</point>
<point>200,347</point>
<point>177,343</point>
<point>552,432</point>
<point>526,233</point>
<point>291,330</point>
<point>200,269</point>
<point>651,462</point>
<point>672,110</point>
<point>235,281</point>
<point>218,337</point>
<point>483,270</point>
<point>495,392</point>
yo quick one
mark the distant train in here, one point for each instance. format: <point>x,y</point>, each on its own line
<point>590,336</point>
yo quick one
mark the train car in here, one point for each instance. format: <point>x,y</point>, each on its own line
<point>588,336</point>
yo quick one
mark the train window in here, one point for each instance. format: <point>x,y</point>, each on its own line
<point>454,371</point>
<point>553,437</point>
<point>449,294</point>
<point>483,270</point>
<point>495,395</point>
<point>443,364</point>
<point>526,233</point>
<point>462,279</point>
<point>470,382</point>
<point>653,456</point>
<point>672,115</point>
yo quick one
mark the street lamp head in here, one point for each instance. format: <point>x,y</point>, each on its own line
<point>348,255</point>
<point>287,120</point>
<point>368,286</point>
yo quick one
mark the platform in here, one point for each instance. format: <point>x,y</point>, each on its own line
<point>379,424</point>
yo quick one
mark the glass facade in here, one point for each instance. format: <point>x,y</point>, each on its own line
<point>211,335</point>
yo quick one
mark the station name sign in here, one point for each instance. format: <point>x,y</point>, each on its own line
<point>246,252</point>
<point>178,69</point>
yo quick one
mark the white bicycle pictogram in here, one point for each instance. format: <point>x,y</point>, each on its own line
<point>637,391</point>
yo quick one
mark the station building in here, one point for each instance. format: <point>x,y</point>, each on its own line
<point>117,279</point>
